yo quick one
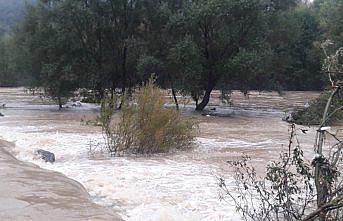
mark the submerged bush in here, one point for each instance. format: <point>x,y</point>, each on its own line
<point>145,126</point>
<point>286,192</point>
<point>312,115</point>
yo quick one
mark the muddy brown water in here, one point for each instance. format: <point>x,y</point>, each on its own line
<point>254,127</point>
<point>28,192</point>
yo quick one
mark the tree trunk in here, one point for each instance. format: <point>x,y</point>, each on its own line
<point>59,103</point>
<point>100,90</point>
<point>321,183</point>
<point>206,98</point>
<point>124,76</point>
<point>174,96</point>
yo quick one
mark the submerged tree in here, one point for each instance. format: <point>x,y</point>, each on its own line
<point>193,47</point>
<point>216,31</point>
<point>45,41</point>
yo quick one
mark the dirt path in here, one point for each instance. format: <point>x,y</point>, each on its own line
<point>28,192</point>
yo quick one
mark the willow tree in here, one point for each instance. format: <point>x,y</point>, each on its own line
<point>51,51</point>
<point>217,30</point>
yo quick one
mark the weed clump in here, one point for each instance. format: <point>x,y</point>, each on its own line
<point>145,126</point>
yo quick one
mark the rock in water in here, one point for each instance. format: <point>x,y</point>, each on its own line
<point>46,155</point>
<point>289,117</point>
<point>1,115</point>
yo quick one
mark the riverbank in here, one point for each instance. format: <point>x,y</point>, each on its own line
<point>28,192</point>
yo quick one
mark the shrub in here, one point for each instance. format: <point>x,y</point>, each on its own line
<point>145,126</point>
<point>286,192</point>
<point>312,115</point>
<point>105,120</point>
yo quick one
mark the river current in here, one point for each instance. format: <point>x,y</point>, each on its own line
<point>178,186</point>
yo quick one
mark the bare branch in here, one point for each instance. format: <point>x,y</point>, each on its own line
<point>332,205</point>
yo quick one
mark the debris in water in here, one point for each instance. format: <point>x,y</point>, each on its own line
<point>46,155</point>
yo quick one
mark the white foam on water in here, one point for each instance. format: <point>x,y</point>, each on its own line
<point>150,189</point>
<point>216,144</point>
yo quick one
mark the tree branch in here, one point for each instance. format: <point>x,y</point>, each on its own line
<point>332,205</point>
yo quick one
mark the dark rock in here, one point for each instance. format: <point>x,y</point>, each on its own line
<point>289,117</point>
<point>1,115</point>
<point>77,104</point>
<point>46,155</point>
<point>293,117</point>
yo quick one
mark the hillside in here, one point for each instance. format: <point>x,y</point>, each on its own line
<point>11,11</point>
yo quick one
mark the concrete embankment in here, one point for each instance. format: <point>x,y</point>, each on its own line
<point>28,192</point>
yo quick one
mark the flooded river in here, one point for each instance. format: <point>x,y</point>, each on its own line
<point>177,186</point>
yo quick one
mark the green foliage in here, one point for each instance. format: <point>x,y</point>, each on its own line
<point>296,60</point>
<point>193,47</point>
<point>147,65</point>
<point>247,71</point>
<point>145,126</point>
<point>313,114</point>
<point>11,12</point>
<point>332,20</point>
<point>329,103</point>
<point>58,82</point>
<point>215,33</point>
<point>185,58</point>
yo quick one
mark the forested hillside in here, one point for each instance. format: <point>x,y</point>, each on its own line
<point>11,11</point>
<point>192,47</point>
